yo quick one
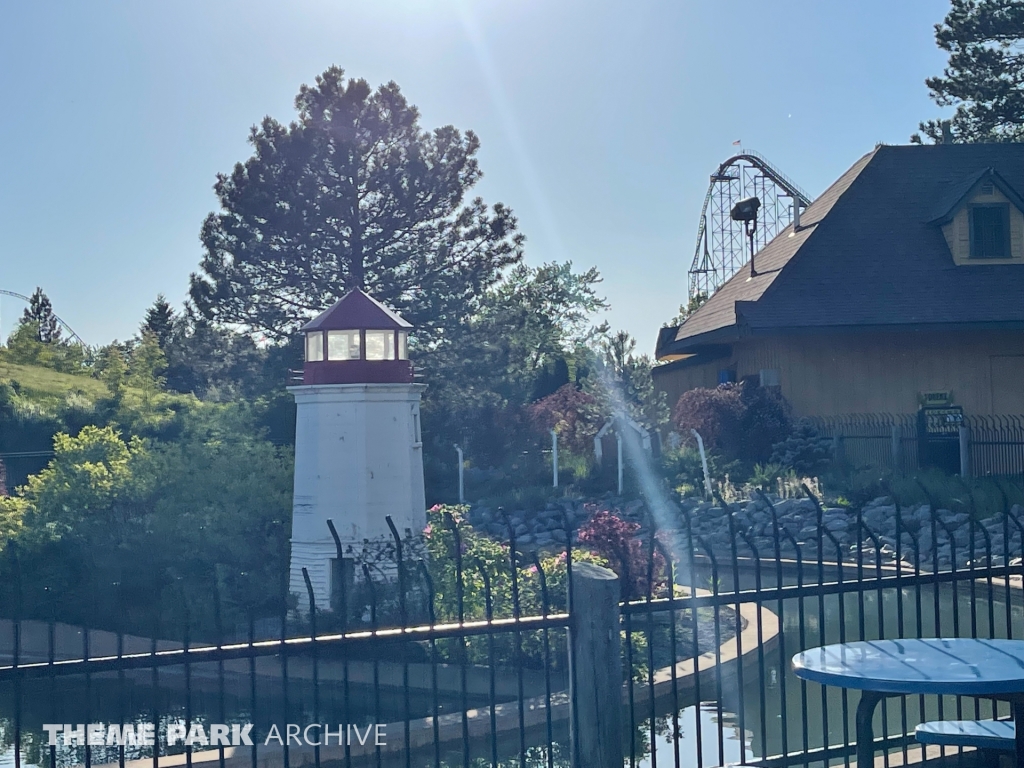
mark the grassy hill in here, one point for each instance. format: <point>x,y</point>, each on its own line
<point>44,383</point>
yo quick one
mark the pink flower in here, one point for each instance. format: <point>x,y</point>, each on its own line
<point>428,529</point>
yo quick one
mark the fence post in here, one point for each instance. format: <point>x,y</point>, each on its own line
<point>554,459</point>
<point>618,450</point>
<point>837,446</point>
<point>462,485</point>
<point>896,446</point>
<point>595,661</point>
<point>965,451</point>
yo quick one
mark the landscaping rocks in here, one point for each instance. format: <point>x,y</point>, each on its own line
<point>921,537</point>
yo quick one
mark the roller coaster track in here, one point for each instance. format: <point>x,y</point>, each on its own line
<point>69,332</point>
<point>722,246</point>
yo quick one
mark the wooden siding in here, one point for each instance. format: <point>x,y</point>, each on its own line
<point>833,374</point>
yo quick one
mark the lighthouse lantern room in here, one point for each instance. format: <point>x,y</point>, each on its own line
<point>358,449</point>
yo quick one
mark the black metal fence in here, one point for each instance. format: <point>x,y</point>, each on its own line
<point>464,660</point>
<point>883,440</point>
<point>996,445</point>
<point>890,442</point>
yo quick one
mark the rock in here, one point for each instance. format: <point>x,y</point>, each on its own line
<point>959,519</point>
<point>809,532</point>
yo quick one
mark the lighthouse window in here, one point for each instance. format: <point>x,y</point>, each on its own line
<point>314,347</point>
<point>403,345</point>
<point>380,345</point>
<point>343,345</point>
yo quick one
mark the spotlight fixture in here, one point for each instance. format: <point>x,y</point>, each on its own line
<point>746,211</point>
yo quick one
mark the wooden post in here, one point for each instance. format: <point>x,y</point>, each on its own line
<point>595,663</point>
<point>896,439</point>
<point>965,452</point>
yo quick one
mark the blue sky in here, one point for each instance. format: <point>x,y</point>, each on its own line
<point>600,121</point>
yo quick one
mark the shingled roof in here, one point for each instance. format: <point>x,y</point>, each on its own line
<point>870,253</point>
<point>356,309</point>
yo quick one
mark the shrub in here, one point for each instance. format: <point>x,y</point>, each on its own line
<point>615,540</point>
<point>805,451</point>
<point>766,475</point>
<point>738,421</point>
<point>572,413</point>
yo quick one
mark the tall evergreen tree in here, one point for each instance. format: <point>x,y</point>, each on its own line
<point>984,78</point>
<point>159,321</point>
<point>40,312</point>
<point>352,194</point>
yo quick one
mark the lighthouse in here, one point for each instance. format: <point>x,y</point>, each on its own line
<point>358,449</point>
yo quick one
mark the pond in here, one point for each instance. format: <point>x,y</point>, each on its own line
<point>774,712</point>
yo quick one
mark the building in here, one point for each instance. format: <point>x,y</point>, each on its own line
<point>358,450</point>
<point>901,285</point>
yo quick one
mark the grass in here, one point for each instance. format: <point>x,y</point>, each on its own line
<point>46,383</point>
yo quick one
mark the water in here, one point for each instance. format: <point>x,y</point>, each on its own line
<point>799,715</point>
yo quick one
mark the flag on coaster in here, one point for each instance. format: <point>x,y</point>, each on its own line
<point>737,143</point>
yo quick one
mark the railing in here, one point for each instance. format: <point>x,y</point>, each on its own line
<point>466,659</point>
<point>995,444</point>
<point>774,585</point>
<point>883,440</point>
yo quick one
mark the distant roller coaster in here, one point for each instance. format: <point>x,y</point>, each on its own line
<point>722,244</point>
<point>71,335</point>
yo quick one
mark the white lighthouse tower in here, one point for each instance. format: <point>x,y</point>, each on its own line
<point>358,452</point>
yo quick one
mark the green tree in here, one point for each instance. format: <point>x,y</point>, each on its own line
<point>94,486</point>
<point>352,194</point>
<point>146,363</point>
<point>623,381</point>
<point>694,303</point>
<point>160,320</point>
<point>218,363</point>
<point>482,375</point>
<point>25,348</point>
<point>40,312</point>
<point>161,519</point>
<point>111,365</point>
<point>984,77</point>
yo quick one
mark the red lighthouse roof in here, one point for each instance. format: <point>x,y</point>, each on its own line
<point>357,309</point>
<point>357,341</point>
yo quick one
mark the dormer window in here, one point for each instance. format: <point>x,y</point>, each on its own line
<point>982,221</point>
<point>990,231</point>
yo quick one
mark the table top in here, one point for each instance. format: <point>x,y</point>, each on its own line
<point>972,667</point>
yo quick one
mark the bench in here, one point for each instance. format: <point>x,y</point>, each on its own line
<point>981,734</point>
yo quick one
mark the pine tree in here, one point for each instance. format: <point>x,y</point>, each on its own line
<point>40,312</point>
<point>159,321</point>
<point>984,77</point>
<point>354,193</point>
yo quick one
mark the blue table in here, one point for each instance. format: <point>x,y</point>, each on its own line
<point>880,668</point>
